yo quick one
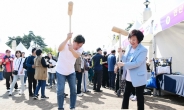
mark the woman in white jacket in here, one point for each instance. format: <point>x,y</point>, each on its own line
<point>52,70</point>
<point>18,66</point>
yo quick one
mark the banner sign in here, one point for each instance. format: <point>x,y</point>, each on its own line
<point>173,17</point>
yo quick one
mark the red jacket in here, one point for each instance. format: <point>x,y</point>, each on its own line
<point>8,65</point>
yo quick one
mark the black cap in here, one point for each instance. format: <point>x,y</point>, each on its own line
<point>98,49</point>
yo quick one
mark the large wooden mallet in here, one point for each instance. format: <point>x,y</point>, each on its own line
<point>70,10</point>
<point>125,33</point>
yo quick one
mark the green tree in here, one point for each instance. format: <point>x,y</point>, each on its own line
<point>18,40</point>
<point>50,50</point>
<point>55,52</point>
<point>26,39</point>
<point>47,50</point>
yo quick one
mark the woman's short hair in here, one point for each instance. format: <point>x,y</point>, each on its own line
<point>18,51</point>
<point>136,33</point>
<point>38,52</point>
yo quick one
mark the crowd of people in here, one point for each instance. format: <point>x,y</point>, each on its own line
<point>79,69</point>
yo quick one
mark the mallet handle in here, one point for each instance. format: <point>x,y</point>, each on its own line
<point>70,27</point>
<point>119,55</point>
<point>70,10</point>
<point>120,46</point>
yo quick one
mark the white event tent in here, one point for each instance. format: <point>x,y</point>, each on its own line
<point>165,34</point>
<point>23,49</point>
<point>4,47</point>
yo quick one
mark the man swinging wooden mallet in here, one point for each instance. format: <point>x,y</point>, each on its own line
<point>69,51</point>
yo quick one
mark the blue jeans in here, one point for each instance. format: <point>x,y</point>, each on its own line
<point>51,78</point>
<point>90,74</point>
<point>1,75</point>
<point>60,89</point>
<point>112,77</point>
<point>41,84</point>
<point>25,76</point>
<point>15,78</point>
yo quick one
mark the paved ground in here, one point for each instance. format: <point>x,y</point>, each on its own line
<point>91,101</point>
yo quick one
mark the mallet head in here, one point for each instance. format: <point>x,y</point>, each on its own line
<point>70,8</point>
<point>120,31</point>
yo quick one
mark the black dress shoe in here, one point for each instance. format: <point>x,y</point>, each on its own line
<point>44,97</point>
<point>94,89</point>
<point>98,91</point>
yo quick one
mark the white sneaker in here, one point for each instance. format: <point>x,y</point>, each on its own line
<point>80,95</point>
<point>134,98</point>
<point>21,92</point>
<point>10,93</point>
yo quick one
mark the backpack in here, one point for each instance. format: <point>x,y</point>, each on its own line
<point>24,64</point>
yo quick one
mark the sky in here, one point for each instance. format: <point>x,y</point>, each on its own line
<point>93,19</point>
